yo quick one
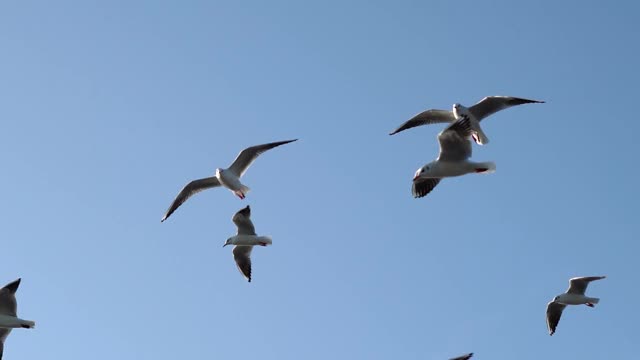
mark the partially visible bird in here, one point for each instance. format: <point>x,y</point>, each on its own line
<point>485,107</point>
<point>245,240</point>
<point>573,296</point>
<point>228,178</point>
<point>8,313</point>
<point>455,150</point>
<point>463,357</point>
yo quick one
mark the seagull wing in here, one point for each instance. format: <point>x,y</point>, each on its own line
<point>242,256</point>
<point>242,219</point>
<point>191,188</point>
<point>248,155</point>
<point>492,104</point>
<point>421,188</point>
<point>454,141</point>
<point>463,357</point>
<point>578,285</point>
<point>433,116</point>
<point>8,306</point>
<point>554,312</point>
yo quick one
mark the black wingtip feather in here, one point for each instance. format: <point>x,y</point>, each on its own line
<point>13,286</point>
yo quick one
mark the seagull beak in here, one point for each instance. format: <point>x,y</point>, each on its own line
<point>225,245</point>
<point>416,177</point>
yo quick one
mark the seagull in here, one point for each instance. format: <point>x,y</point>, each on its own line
<point>455,150</point>
<point>8,313</point>
<point>573,296</point>
<point>484,108</point>
<point>245,240</point>
<point>463,357</point>
<point>229,178</point>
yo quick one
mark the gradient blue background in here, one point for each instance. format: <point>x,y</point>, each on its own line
<point>108,108</point>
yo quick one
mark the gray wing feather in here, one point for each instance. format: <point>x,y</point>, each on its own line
<point>463,357</point>
<point>455,143</point>
<point>433,116</point>
<point>248,155</point>
<point>242,256</point>
<point>554,312</point>
<point>189,190</point>
<point>492,104</point>
<point>578,285</point>
<point>242,219</point>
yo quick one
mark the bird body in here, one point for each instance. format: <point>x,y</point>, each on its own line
<point>232,182</point>
<point>575,299</point>
<point>461,112</point>
<point>249,240</point>
<point>442,169</point>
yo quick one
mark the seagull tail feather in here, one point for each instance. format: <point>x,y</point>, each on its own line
<point>28,324</point>
<point>265,239</point>
<point>486,167</point>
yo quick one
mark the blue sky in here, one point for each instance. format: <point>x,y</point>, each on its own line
<point>109,108</point>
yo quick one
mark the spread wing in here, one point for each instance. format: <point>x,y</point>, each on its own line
<point>554,312</point>
<point>242,256</point>
<point>455,143</point>
<point>242,219</point>
<point>248,155</point>
<point>422,187</point>
<point>492,104</point>
<point>190,189</point>
<point>433,116</point>
<point>578,285</point>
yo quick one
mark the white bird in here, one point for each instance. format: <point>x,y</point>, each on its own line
<point>8,313</point>
<point>484,108</point>
<point>455,150</point>
<point>573,296</point>
<point>229,178</point>
<point>245,240</point>
<point>463,357</point>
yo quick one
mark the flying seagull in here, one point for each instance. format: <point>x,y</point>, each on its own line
<point>8,313</point>
<point>455,150</point>
<point>245,240</point>
<point>463,357</point>
<point>229,178</point>
<point>573,296</point>
<point>485,107</point>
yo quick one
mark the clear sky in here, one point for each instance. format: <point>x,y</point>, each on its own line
<point>108,108</point>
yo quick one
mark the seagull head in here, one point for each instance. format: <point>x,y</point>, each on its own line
<point>459,110</point>
<point>422,172</point>
<point>219,171</point>
<point>228,242</point>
